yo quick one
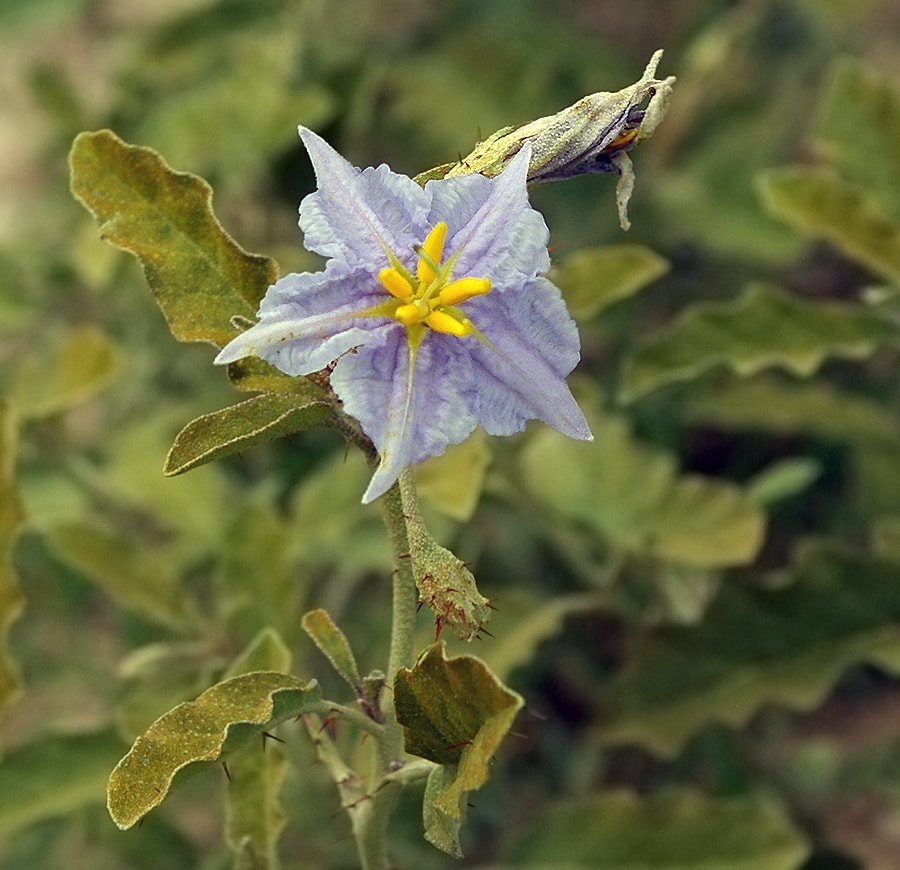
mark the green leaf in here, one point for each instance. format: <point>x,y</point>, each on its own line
<point>253,375</point>
<point>199,275</point>
<point>224,718</point>
<point>764,327</point>
<point>12,518</point>
<point>594,279</point>
<point>820,204</point>
<point>254,816</point>
<point>54,776</point>
<point>858,129</point>
<point>757,646</point>
<point>673,830</point>
<point>81,364</point>
<point>333,644</point>
<point>137,577</point>
<point>452,482</point>
<point>790,407</point>
<point>231,430</point>
<point>782,480</point>
<point>456,713</point>
<point>633,496</point>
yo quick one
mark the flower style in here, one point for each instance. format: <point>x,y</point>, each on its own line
<point>432,307</point>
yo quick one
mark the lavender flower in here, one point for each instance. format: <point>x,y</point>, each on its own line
<point>433,305</point>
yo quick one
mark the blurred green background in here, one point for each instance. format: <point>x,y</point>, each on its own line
<point>684,686</point>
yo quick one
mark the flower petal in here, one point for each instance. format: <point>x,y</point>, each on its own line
<point>410,408</point>
<point>354,214</point>
<point>502,237</point>
<point>533,345</point>
<point>307,321</point>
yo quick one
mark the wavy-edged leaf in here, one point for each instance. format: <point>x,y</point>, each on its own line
<point>82,363</point>
<point>199,275</point>
<point>333,644</point>
<point>633,496</point>
<point>134,576</point>
<point>238,427</point>
<point>594,279</point>
<point>756,646</point>
<point>12,517</point>
<point>674,830</point>
<point>54,776</point>
<point>784,406</point>
<point>456,713</point>
<point>819,203</point>
<point>858,129</point>
<point>764,327</point>
<point>254,815</point>
<point>202,732</point>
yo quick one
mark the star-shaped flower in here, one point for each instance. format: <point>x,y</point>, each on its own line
<point>432,306</point>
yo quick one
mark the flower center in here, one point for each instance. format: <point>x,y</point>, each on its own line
<point>429,296</point>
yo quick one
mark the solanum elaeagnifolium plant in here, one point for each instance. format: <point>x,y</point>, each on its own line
<point>433,314</point>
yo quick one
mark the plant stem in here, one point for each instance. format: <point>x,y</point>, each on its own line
<point>400,506</point>
<point>370,820</point>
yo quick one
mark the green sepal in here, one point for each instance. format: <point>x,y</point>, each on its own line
<point>456,713</point>
<point>202,732</point>
<point>238,427</point>
<point>198,274</point>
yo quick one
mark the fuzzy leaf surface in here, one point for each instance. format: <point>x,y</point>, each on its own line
<point>456,713</point>
<point>198,274</point>
<point>202,732</point>
<point>764,327</point>
<point>333,644</point>
<point>239,427</point>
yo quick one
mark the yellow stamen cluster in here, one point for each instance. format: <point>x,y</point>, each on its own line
<point>429,296</point>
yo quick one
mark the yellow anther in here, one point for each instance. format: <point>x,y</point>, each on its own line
<point>408,314</point>
<point>440,321</point>
<point>433,248</point>
<point>463,289</point>
<point>395,283</point>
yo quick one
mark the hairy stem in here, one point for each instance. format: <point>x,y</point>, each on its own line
<point>370,821</point>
